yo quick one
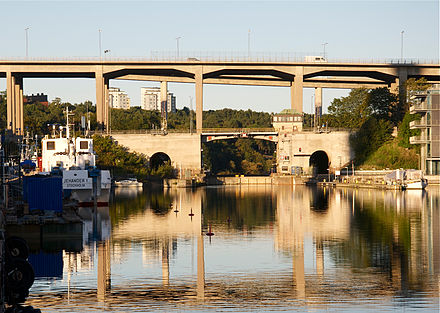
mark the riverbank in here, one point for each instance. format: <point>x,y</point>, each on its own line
<point>362,179</point>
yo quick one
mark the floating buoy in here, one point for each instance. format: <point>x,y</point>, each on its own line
<point>210,233</point>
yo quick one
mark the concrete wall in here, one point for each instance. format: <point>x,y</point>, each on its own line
<point>184,150</point>
<point>298,147</point>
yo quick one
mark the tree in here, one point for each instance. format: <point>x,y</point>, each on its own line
<point>383,104</point>
<point>351,111</point>
<point>371,135</point>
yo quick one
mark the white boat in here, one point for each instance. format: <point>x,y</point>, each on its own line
<point>130,182</point>
<point>414,180</point>
<point>74,158</point>
<point>408,179</point>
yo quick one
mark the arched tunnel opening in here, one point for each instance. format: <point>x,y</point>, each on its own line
<point>319,160</point>
<point>159,159</point>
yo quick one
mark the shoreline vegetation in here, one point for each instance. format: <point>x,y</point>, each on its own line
<point>378,119</point>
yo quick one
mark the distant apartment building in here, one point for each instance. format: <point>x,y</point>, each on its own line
<point>150,99</point>
<point>428,106</point>
<point>118,99</point>
<point>38,98</point>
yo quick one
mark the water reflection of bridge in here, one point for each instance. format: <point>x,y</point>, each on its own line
<point>326,233</point>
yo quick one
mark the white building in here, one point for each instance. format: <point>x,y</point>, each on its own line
<point>118,99</point>
<point>150,99</point>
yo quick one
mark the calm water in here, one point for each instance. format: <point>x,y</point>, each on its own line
<point>289,248</point>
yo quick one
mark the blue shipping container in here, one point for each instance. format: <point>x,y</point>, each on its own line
<point>43,193</point>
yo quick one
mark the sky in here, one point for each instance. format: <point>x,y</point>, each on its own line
<point>353,30</point>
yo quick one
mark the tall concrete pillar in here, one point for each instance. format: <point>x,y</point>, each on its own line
<point>164,104</point>
<point>318,105</point>
<point>200,268</point>
<point>18,97</point>
<point>296,91</point>
<point>101,100</point>
<point>199,99</point>
<point>10,101</point>
<point>403,76</point>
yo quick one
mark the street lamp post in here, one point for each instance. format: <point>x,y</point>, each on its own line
<point>323,45</point>
<point>177,42</point>
<point>100,51</point>
<point>249,44</point>
<point>27,41</point>
<point>401,45</point>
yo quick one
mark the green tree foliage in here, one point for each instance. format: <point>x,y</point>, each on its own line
<point>134,118</point>
<point>384,105</point>
<point>239,156</point>
<point>371,135</point>
<point>351,111</point>
<point>117,158</point>
<point>228,118</point>
<point>392,155</point>
<point>405,132</point>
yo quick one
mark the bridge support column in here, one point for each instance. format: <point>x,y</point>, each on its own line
<point>318,105</point>
<point>102,110</point>
<point>14,104</point>
<point>296,91</point>
<point>164,104</point>
<point>19,106</point>
<point>403,76</point>
<point>199,100</point>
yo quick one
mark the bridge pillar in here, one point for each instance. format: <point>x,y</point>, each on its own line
<point>403,76</point>
<point>199,100</point>
<point>19,105</point>
<point>102,110</point>
<point>318,105</point>
<point>296,91</point>
<point>14,103</point>
<point>164,104</point>
<point>10,101</point>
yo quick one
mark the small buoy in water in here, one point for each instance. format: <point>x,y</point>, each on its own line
<point>191,214</point>
<point>210,233</point>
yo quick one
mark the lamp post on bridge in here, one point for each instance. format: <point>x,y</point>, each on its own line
<point>323,45</point>
<point>177,42</point>
<point>27,41</point>
<point>401,45</point>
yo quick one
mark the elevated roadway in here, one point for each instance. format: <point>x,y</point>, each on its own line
<point>295,75</point>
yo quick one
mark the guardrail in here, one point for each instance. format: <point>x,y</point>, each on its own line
<point>225,56</point>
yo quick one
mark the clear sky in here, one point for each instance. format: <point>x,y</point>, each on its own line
<point>353,30</point>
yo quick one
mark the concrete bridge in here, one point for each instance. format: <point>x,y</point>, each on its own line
<point>294,75</point>
<point>300,149</point>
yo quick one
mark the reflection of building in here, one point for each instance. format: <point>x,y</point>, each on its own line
<point>428,106</point>
<point>150,99</point>
<point>118,99</point>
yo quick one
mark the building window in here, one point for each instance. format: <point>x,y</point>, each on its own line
<point>83,144</point>
<point>50,145</point>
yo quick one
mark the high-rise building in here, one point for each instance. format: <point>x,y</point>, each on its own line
<point>150,99</point>
<point>118,99</point>
<point>428,106</point>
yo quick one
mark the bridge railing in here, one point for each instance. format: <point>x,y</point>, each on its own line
<point>225,56</point>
